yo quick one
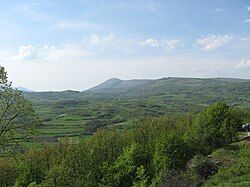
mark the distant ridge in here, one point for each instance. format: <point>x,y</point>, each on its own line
<point>115,83</point>
<point>171,92</point>
<point>24,89</point>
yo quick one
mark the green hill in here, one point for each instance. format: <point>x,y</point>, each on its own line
<point>118,103</point>
<point>205,91</point>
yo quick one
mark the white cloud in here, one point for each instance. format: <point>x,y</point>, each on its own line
<point>213,41</point>
<point>248,8</point>
<point>246,21</point>
<point>113,42</point>
<point>69,74</point>
<point>101,40</point>
<point>243,63</point>
<point>150,42</point>
<point>168,45</point>
<point>25,52</point>
<point>49,53</point>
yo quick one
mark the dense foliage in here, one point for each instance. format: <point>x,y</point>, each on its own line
<point>216,126</point>
<point>154,151</point>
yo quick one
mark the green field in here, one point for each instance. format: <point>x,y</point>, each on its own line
<point>117,103</point>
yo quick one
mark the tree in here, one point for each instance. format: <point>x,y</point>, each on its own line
<point>125,166</point>
<point>215,126</point>
<point>17,116</point>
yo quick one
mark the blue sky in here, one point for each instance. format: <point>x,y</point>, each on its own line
<point>76,44</point>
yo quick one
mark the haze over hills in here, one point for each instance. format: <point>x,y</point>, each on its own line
<point>197,91</point>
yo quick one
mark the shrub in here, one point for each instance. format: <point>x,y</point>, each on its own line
<point>8,171</point>
<point>215,126</point>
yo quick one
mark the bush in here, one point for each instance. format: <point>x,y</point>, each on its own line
<point>8,171</point>
<point>215,127</point>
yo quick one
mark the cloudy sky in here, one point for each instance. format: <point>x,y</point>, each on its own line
<point>76,44</point>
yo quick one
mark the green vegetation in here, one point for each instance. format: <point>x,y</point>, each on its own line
<point>121,103</point>
<point>236,169</point>
<point>155,151</point>
<point>139,133</point>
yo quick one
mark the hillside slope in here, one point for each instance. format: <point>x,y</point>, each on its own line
<point>115,84</point>
<point>234,165</point>
<point>225,166</point>
<point>184,90</point>
<point>167,91</point>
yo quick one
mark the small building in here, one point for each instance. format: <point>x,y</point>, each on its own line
<point>246,127</point>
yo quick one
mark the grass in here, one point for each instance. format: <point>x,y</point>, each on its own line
<point>235,165</point>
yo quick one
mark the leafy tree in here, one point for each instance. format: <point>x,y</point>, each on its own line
<point>173,149</point>
<point>17,116</point>
<point>125,166</point>
<point>45,165</point>
<point>215,126</point>
<point>104,148</point>
<point>141,178</point>
<point>33,168</point>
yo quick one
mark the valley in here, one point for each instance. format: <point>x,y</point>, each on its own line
<point>120,104</point>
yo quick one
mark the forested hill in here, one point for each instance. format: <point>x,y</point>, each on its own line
<point>166,90</point>
<point>173,85</point>
<point>115,84</point>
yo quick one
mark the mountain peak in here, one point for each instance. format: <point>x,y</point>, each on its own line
<point>114,79</point>
<point>117,84</point>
